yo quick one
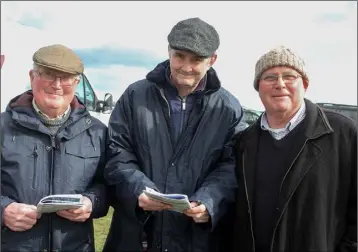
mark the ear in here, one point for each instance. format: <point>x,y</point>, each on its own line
<point>213,59</point>
<point>31,74</point>
<point>305,84</point>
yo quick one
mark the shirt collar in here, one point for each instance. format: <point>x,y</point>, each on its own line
<point>43,114</point>
<point>265,125</point>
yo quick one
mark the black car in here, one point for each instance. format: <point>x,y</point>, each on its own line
<point>350,111</point>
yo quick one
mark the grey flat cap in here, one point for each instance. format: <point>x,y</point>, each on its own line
<point>194,35</point>
<point>60,58</point>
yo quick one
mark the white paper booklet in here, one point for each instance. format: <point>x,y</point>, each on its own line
<point>54,203</point>
<point>180,202</point>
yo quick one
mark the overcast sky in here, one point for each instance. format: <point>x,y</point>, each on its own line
<point>120,42</point>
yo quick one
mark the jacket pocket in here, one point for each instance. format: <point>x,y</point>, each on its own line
<point>82,162</point>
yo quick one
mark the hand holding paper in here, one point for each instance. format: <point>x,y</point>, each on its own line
<point>198,212</point>
<point>20,217</point>
<point>57,202</point>
<point>80,214</point>
<point>178,202</point>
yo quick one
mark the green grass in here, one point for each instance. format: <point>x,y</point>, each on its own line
<point>101,228</point>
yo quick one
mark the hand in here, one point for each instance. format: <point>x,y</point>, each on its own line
<point>80,214</point>
<point>150,205</point>
<point>20,217</point>
<point>198,212</point>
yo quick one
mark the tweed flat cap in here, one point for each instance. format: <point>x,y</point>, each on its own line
<point>194,35</point>
<point>60,58</point>
<point>279,56</point>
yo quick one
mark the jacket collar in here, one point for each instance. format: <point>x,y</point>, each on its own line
<point>21,109</point>
<point>317,123</point>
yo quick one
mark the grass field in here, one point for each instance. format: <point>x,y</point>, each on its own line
<point>101,227</point>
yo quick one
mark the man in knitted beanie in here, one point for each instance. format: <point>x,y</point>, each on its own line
<point>296,167</point>
<point>50,144</point>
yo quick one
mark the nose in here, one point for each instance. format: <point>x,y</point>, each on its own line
<point>280,83</point>
<point>57,83</point>
<point>186,67</point>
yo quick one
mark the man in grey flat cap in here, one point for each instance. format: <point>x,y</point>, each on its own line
<point>296,168</point>
<point>50,144</point>
<point>173,132</point>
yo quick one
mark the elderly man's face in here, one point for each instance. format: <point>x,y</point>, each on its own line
<point>187,69</point>
<point>52,90</point>
<point>282,90</point>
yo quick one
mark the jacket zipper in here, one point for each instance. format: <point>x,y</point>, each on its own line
<point>53,145</point>
<point>35,155</point>
<point>183,107</point>
<point>248,203</point>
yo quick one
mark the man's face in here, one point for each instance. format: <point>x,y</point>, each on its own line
<point>187,68</point>
<point>52,90</point>
<point>282,90</point>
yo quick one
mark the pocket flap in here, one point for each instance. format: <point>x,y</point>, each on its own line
<point>86,151</point>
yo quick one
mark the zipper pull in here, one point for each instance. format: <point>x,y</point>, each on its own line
<point>183,104</point>
<point>53,143</point>
<point>35,151</point>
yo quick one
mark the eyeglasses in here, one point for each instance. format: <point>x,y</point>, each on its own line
<point>66,81</point>
<point>288,78</point>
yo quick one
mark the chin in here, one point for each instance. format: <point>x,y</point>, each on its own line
<point>186,83</point>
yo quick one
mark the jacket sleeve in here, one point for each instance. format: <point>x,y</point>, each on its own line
<point>349,241</point>
<point>98,191</point>
<point>217,191</point>
<point>5,201</point>
<point>122,170</point>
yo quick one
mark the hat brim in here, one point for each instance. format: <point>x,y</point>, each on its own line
<point>58,68</point>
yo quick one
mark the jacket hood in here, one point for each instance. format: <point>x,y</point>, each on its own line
<point>157,75</point>
<point>22,104</point>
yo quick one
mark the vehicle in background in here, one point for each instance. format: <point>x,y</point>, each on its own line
<point>250,116</point>
<point>350,111</point>
<point>101,109</point>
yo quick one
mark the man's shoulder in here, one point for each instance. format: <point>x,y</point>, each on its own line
<point>139,85</point>
<point>339,121</point>
<point>228,99</point>
<point>5,117</point>
<point>98,123</point>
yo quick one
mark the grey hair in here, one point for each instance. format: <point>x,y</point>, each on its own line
<point>38,67</point>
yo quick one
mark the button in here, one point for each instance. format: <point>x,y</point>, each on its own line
<point>158,246</point>
<point>173,164</point>
<point>165,249</point>
<point>88,121</point>
<point>48,148</point>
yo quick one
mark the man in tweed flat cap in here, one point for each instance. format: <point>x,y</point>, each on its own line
<point>173,132</point>
<point>296,167</point>
<point>50,144</point>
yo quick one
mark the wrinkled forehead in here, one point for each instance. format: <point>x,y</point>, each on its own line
<point>280,70</point>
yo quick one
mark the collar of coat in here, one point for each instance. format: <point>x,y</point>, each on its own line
<point>21,110</point>
<point>158,76</point>
<point>317,124</point>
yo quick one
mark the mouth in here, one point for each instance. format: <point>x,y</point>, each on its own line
<point>279,96</point>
